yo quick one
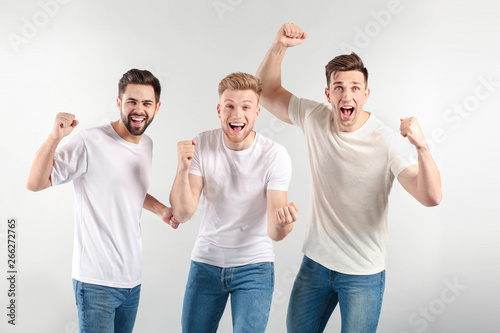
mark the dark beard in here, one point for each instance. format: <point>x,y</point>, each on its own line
<point>134,130</point>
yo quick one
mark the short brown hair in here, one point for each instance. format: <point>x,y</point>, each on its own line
<point>240,81</point>
<point>137,76</point>
<point>345,63</point>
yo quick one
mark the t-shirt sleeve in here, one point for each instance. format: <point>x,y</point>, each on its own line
<point>299,109</point>
<point>70,161</point>
<point>195,167</point>
<point>402,154</point>
<point>281,174</point>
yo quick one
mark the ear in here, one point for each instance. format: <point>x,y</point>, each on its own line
<point>327,94</point>
<point>218,110</point>
<point>119,103</point>
<point>367,93</point>
<point>157,107</point>
<point>257,112</point>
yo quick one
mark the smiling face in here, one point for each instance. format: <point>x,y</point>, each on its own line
<point>238,110</point>
<point>137,110</point>
<point>347,94</point>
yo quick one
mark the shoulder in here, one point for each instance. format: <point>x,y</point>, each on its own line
<point>208,142</point>
<point>206,135</point>
<point>270,147</point>
<point>378,128</point>
<point>94,133</point>
<point>209,138</point>
<point>146,140</point>
<point>308,105</point>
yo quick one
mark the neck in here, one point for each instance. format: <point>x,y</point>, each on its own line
<point>246,143</point>
<point>123,132</point>
<point>363,117</point>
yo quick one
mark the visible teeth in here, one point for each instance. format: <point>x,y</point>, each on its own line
<point>237,124</point>
<point>347,107</point>
<point>137,119</point>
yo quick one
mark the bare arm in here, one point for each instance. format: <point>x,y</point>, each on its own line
<point>41,168</point>
<point>274,97</point>
<point>164,212</point>
<point>280,215</point>
<point>422,181</point>
<point>186,190</point>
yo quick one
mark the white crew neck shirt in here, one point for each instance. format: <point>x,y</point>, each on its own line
<point>233,229</point>
<point>351,178</point>
<point>111,177</point>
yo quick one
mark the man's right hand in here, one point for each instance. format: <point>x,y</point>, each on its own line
<point>185,152</point>
<point>63,125</point>
<point>290,35</point>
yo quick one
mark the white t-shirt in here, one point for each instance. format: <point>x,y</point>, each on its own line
<point>351,178</point>
<point>111,177</point>
<point>233,229</point>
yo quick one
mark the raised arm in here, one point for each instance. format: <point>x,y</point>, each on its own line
<point>274,97</point>
<point>280,214</point>
<point>41,168</point>
<point>186,191</point>
<point>422,181</point>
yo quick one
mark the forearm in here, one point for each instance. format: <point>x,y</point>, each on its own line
<point>153,205</point>
<point>181,197</point>
<point>41,168</point>
<point>278,232</point>
<point>428,179</point>
<point>280,215</point>
<point>269,71</point>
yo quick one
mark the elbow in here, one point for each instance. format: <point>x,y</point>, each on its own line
<point>433,200</point>
<point>275,237</point>
<point>182,215</point>
<point>279,235</point>
<point>30,187</point>
<point>33,187</point>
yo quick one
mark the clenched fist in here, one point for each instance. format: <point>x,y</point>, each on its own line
<point>287,215</point>
<point>63,125</point>
<point>410,129</point>
<point>290,35</point>
<point>185,152</point>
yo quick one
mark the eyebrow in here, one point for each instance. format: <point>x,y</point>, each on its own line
<point>245,101</point>
<point>352,82</point>
<point>136,100</point>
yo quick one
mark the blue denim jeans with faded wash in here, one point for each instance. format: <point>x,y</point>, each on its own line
<point>317,291</point>
<point>208,288</point>
<point>103,309</point>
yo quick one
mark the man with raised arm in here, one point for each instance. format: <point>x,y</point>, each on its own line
<point>110,167</point>
<point>244,178</point>
<point>354,159</point>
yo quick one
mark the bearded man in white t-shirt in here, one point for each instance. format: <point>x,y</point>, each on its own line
<point>110,167</point>
<point>244,179</point>
<point>354,159</point>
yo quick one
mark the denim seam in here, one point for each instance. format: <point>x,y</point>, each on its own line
<point>382,287</point>
<point>318,325</point>
<point>223,279</point>
<point>84,321</point>
<point>215,325</point>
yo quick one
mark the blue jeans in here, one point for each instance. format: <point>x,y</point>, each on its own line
<point>317,290</point>
<point>104,309</point>
<point>208,287</point>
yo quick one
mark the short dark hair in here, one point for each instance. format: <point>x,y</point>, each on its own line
<point>137,76</point>
<point>241,81</point>
<point>344,63</point>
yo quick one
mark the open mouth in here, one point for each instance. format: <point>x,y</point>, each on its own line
<point>137,120</point>
<point>237,127</point>
<point>347,111</point>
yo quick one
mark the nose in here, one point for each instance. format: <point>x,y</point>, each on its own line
<point>236,114</point>
<point>346,95</point>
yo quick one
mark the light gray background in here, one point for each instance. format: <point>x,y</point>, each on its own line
<point>429,59</point>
